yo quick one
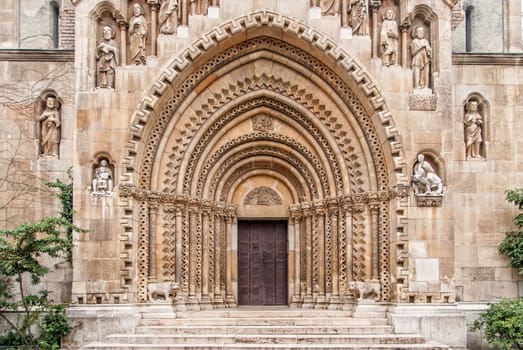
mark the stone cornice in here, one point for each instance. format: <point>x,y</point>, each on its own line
<point>32,55</point>
<point>491,59</point>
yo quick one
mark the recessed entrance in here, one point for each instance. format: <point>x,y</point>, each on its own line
<point>262,262</point>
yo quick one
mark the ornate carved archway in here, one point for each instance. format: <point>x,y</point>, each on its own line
<point>264,101</point>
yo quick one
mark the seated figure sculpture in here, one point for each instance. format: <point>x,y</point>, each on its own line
<point>103,179</point>
<point>425,180</point>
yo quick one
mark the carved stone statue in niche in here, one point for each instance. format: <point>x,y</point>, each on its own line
<point>389,38</point>
<point>473,138</point>
<point>106,59</point>
<point>50,127</point>
<point>425,180</point>
<point>330,7</point>
<point>137,35</point>
<point>168,16</point>
<point>102,179</point>
<point>421,57</point>
<point>358,18</point>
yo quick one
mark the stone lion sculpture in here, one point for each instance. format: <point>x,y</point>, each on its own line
<point>155,290</point>
<point>366,290</point>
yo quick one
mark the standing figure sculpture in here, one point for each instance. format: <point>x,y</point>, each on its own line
<point>330,7</point>
<point>389,38</point>
<point>358,16</point>
<point>168,16</point>
<point>137,35</point>
<point>103,179</point>
<point>473,138</point>
<point>50,127</point>
<point>106,58</point>
<point>425,180</point>
<point>421,56</point>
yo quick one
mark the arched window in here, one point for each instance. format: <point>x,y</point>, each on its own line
<point>468,28</point>
<point>54,16</point>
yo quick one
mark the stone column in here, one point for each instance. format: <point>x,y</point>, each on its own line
<point>307,301</point>
<point>296,218</point>
<point>333,213</point>
<point>178,241</point>
<point>404,28</point>
<point>219,226</point>
<point>375,31</point>
<point>344,13</point>
<point>374,211</point>
<point>319,251</point>
<point>153,215</point>
<point>205,254</point>
<point>229,296</point>
<point>184,20</point>
<point>123,42</point>
<point>154,25</point>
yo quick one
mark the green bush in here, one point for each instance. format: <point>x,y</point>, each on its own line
<point>503,324</point>
<point>32,320</point>
<point>512,246</point>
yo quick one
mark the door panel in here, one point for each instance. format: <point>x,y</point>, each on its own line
<point>262,262</point>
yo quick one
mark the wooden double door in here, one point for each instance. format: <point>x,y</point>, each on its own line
<point>262,263</point>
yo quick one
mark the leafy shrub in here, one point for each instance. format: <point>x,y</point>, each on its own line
<point>512,246</point>
<point>503,324</point>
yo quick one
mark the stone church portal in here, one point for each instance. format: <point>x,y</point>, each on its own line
<point>268,124</point>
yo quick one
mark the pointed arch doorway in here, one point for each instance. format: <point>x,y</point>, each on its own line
<point>274,120</point>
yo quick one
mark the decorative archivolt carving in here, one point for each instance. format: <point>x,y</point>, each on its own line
<point>258,136</point>
<point>302,58</point>
<point>261,165</point>
<point>262,136</point>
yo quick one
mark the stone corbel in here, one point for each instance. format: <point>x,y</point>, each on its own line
<point>429,201</point>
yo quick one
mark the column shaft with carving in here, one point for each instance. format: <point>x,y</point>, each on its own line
<point>374,227</point>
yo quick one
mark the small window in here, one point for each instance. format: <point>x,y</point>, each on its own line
<point>468,29</point>
<point>55,23</point>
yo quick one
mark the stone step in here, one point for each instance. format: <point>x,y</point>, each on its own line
<point>263,312</point>
<point>259,321</point>
<point>206,346</point>
<point>264,339</point>
<point>265,329</point>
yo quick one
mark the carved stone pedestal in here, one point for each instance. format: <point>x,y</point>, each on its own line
<point>422,100</point>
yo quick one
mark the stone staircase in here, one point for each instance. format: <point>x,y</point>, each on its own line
<point>265,328</point>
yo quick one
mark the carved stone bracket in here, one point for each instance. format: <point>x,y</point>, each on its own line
<point>422,102</point>
<point>429,201</point>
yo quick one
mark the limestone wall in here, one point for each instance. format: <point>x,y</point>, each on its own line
<point>23,169</point>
